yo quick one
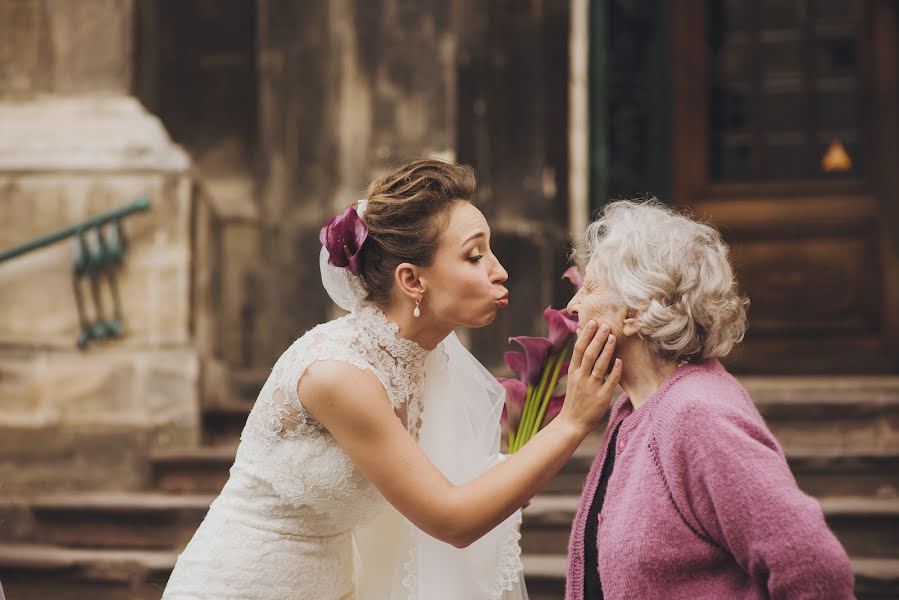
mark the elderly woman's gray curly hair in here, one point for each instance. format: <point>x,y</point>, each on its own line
<point>674,274</point>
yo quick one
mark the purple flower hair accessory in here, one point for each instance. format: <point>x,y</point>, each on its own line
<point>343,238</point>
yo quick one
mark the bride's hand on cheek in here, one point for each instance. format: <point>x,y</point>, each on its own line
<point>590,383</point>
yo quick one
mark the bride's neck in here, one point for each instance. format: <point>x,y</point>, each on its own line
<point>424,331</point>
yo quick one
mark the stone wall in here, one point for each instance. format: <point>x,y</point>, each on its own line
<point>346,90</point>
<point>512,123</point>
<point>74,144</point>
<point>222,274</point>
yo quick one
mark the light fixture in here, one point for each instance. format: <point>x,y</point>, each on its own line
<point>836,159</point>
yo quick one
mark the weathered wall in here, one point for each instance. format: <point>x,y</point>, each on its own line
<point>511,126</point>
<point>73,144</point>
<point>346,90</point>
<point>349,89</point>
<point>222,275</point>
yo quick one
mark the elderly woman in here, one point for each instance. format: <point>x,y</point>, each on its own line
<point>690,496</point>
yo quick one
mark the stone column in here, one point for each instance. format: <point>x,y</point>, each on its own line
<point>75,143</point>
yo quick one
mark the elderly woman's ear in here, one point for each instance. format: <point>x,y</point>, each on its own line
<point>630,323</point>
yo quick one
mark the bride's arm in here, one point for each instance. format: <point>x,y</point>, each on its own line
<point>353,406</point>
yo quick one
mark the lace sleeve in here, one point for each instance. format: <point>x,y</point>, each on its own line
<point>287,417</point>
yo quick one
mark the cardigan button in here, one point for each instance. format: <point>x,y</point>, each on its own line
<point>621,446</point>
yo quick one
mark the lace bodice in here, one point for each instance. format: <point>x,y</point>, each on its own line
<point>287,456</point>
<point>296,519</point>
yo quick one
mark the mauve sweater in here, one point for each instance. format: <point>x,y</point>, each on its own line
<point>701,504</point>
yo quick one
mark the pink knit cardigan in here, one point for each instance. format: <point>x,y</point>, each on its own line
<point>701,504</point>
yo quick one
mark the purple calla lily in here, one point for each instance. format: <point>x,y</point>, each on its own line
<point>553,409</point>
<point>538,395</point>
<point>573,275</point>
<point>536,350</point>
<point>343,237</point>
<point>517,363</point>
<point>514,404</point>
<point>561,325</point>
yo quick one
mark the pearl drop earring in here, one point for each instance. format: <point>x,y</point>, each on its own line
<point>417,312</point>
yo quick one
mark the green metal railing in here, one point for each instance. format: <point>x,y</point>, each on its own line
<point>100,247</point>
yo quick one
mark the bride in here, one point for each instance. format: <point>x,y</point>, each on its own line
<point>369,466</point>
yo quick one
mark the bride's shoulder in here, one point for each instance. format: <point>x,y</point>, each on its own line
<point>332,350</point>
<point>330,387</point>
<point>337,377</point>
<point>336,331</point>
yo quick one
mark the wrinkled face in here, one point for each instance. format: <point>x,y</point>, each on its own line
<point>595,301</point>
<point>464,283</point>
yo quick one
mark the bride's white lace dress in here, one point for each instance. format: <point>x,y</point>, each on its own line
<point>282,527</point>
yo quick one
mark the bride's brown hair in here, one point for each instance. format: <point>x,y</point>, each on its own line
<point>407,209</point>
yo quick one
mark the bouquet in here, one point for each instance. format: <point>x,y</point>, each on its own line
<point>536,397</point>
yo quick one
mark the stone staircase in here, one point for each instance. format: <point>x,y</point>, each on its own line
<point>841,436</point>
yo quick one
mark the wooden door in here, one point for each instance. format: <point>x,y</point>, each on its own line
<point>785,137</point>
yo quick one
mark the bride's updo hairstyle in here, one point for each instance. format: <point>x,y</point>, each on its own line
<point>406,211</point>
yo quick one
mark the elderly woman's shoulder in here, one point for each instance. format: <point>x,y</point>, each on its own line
<point>706,390</point>
<point>707,408</point>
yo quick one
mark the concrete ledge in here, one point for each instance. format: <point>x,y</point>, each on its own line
<point>102,133</point>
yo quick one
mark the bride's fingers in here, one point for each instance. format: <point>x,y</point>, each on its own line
<point>601,366</point>
<point>591,354</point>
<point>581,344</point>
<point>614,377</point>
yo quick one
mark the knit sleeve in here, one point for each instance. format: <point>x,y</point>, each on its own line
<point>728,477</point>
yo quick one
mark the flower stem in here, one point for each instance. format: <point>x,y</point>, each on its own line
<point>525,410</point>
<point>544,403</point>
<point>538,393</point>
<point>531,415</point>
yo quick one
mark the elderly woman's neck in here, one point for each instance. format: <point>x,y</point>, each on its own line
<point>644,373</point>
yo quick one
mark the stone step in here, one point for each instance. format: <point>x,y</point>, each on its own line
<point>867,527</point>
<point>820,474</point>
<point>839,414</point>
<point>875,578</point>
<point>546,524</point>
<point>226,385</point>
<point>834,414</point>
<point>248,382</point>
<point>818,471</point>
<point>223,424</point>
<point>144,520</point>
<point>201,470</point>
<point>545,575</point>
<point>204,470</point>
<point>42,572</point>
<point>39,572</point>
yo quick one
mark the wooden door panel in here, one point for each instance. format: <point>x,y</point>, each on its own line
<point>810,287</point>
<point>811,246</point>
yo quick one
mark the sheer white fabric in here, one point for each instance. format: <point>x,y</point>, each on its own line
<point>297,520</point>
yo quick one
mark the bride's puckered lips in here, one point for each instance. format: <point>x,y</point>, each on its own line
<point>503,301</point>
